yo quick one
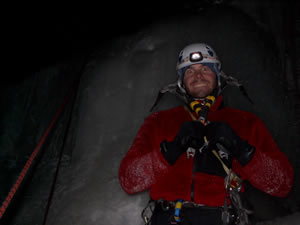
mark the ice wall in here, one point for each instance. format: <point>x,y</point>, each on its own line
<point>119,86</point>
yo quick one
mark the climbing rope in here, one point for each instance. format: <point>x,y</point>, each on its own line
<point>20,180</point>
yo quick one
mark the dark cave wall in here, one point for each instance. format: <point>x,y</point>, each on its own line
<point>30,105</point>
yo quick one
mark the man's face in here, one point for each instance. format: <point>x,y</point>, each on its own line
<point>199,80</point>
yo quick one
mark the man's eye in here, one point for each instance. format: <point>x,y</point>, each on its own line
<point>189,72</point>
<point>207,69</point>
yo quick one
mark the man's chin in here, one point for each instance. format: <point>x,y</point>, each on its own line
<point>200,94</point>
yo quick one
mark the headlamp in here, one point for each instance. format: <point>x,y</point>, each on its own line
<point>196,57</point>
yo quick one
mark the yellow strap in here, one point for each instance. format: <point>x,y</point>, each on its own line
<point>191,114</point>
<point>233,176</point>
<point>192,104</point>
<point>211,97</point>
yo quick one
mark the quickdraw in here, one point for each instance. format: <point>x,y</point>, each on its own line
<point>233,194</point>
<point>148,211</point>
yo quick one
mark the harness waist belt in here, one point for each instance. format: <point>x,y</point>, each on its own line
<point>185,204</point>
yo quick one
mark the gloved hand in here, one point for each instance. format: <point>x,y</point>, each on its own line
<point>226,141</point>
<point>190,134</point>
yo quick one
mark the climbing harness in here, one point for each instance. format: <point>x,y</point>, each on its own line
<point>176,209</point>
<point>149,209</point>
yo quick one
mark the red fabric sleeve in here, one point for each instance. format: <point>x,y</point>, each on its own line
<point>269,170</point>
<point>143,162</point>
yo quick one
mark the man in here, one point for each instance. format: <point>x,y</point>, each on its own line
<point>185,155</point>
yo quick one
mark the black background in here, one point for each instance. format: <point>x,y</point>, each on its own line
<point>44,34</point>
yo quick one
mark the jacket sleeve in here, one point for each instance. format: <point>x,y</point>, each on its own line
<point>143,162</point>
<point>269,170</point>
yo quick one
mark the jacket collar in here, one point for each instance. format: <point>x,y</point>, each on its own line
<point>213,108</point>
<point>217,104</point>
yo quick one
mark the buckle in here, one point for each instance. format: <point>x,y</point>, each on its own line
<point>190,152</point>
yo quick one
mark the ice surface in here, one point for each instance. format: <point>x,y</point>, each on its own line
<point>116,94</point>
<point>119,86</point>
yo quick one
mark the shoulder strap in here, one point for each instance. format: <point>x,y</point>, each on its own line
<point>191,114</point>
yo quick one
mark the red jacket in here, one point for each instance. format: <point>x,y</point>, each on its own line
<point>144,167</point>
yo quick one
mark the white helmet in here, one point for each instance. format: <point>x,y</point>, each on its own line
<point>198,53</point>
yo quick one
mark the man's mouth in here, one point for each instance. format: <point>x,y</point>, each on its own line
<point>200,85</point>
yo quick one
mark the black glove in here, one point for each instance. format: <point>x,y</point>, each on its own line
<point>206,162</point>
<point>190,134</point>
<point>226,141</point>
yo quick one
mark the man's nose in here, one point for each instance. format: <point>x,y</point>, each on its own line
<point>199,74</point>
